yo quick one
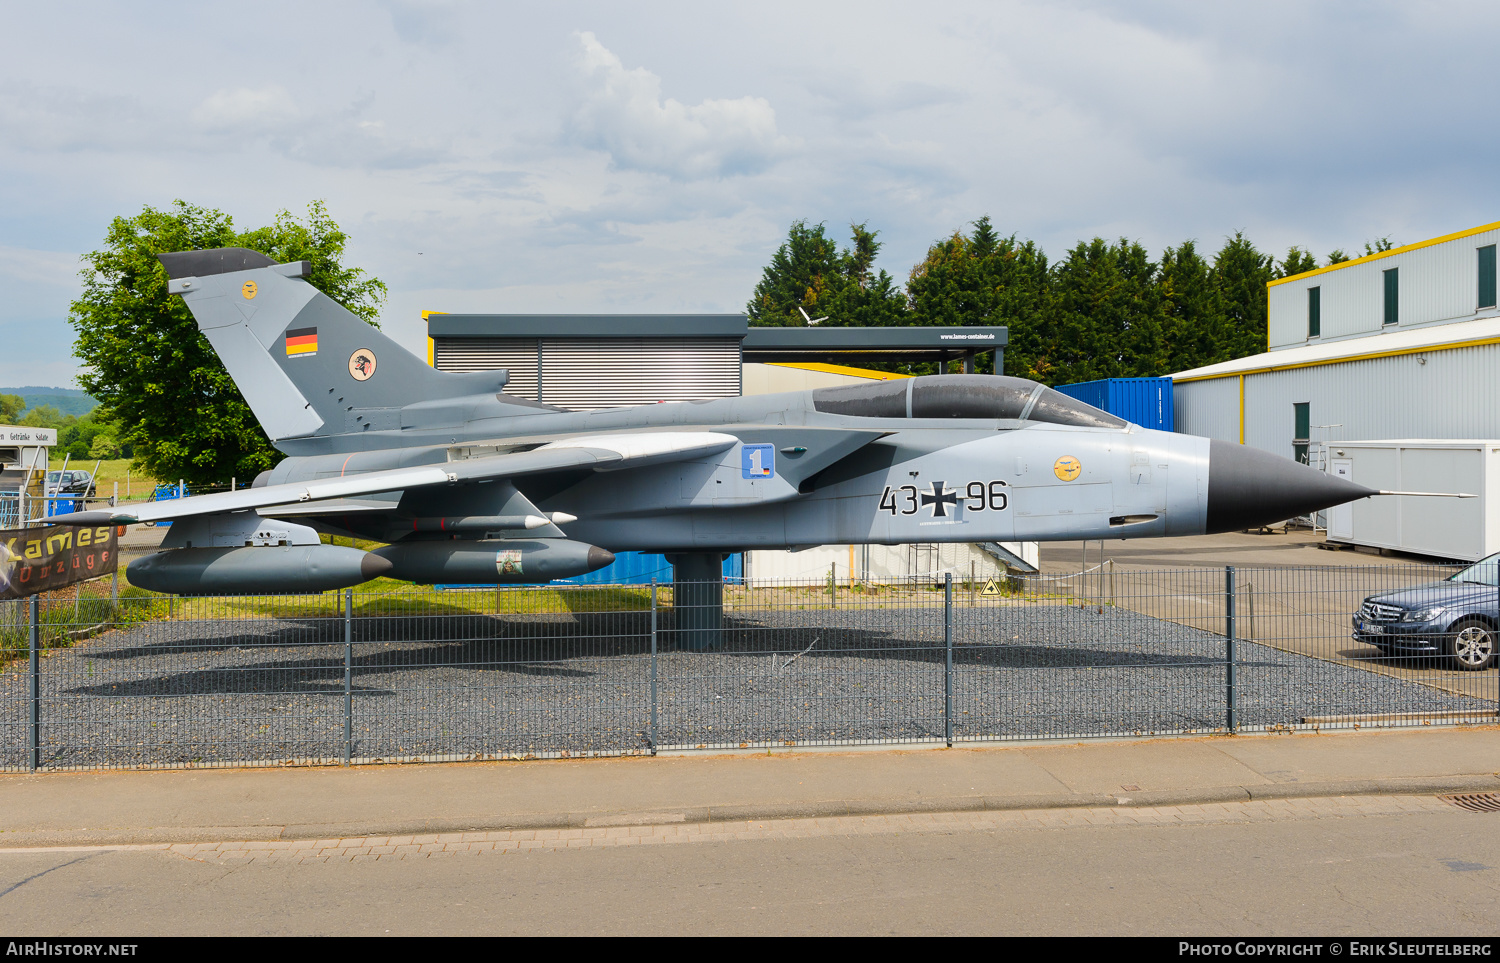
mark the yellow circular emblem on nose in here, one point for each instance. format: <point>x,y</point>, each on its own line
<point>1067,468</point>
<point>249,290</point>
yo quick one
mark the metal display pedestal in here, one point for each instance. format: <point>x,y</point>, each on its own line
<point>698,599</point>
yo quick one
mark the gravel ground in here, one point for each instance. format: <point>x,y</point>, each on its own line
<point>272,690</point>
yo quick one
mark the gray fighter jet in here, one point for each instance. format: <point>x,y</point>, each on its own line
<point>469,485</point>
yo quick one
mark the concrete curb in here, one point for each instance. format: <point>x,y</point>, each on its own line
<point>1433,785</point>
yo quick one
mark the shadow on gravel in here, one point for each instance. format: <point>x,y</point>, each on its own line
<point>517,648</point>
<point>610,634</point>
<point>322,676</point>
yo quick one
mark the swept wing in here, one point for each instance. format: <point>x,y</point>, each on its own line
<point>596,452</point>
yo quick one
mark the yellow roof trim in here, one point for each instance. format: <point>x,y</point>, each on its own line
<point>1428,349</point>
<point>1391,253</point>
<point>428,314</point>
<point>839,369</point>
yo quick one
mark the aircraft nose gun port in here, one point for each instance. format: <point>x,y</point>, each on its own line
<point>1248,488</point>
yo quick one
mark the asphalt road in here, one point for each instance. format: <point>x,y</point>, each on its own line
<point>1347,867</point>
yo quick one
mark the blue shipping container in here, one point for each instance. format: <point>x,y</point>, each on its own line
<point>164,493</point>
<point>1145,401</point>
<point>638,568</point>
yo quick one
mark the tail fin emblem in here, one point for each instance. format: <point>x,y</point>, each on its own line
<point>362,364</point>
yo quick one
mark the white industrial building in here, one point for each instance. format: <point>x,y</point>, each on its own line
<point>1399,346</point>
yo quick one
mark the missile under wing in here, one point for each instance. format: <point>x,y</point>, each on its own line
<point>466,483</point>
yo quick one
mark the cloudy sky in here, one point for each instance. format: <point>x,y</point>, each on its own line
<point>650,156</point>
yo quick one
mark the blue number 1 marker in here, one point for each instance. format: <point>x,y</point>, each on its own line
<point>758,461</point>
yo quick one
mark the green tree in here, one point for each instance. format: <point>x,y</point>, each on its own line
<point>104,447</point>
<point>11,407</point>
<point>1108,320</point>
<point>154,373</point>
<point>983,279</point>
<point>1337,256</point>
<point>47,416</point>
<point>1191,308</point>
<point>80,436</point>
<point>1241,273</point>
<point>1378,245</point>
<point>810,273</point>
<point>1297,261</point>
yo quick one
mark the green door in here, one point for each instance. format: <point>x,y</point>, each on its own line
<point>1302,430</point>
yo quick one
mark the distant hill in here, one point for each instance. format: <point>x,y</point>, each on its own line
<point>69,401</point>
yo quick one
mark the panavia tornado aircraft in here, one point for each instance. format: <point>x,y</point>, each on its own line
<point>466,484</point>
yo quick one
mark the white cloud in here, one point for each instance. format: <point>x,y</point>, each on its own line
<point>245,109</point>
<point>534,170</point>
<point>47,268</point>
<point>47,120</point>
<point>624,114</point>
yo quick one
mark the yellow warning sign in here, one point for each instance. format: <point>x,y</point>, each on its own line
<point>990,589</point>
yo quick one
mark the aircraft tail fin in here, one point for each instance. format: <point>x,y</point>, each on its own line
<point>306,365</point>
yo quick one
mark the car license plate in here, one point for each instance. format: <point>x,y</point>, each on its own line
<point>1373,629</point>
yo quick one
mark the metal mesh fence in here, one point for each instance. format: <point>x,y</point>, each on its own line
<point>1207,650</point>
<point>802,663</point>
<point>87,681</point>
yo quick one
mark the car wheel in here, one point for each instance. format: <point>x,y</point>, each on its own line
<point>1471,645</point>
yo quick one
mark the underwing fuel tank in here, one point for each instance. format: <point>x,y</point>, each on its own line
<point>493,561</point>
<point>257,570</point>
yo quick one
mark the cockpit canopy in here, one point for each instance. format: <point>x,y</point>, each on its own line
<point>962,396</point>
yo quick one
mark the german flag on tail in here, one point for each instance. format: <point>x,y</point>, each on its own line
<point>301,342</point>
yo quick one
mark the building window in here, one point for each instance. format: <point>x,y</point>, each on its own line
<point>1487,277</point>
<point>1315,310</point>
<point>1301,430</point>
<point>1392,291</point>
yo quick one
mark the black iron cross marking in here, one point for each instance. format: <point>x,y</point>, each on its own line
<point>939,498</point>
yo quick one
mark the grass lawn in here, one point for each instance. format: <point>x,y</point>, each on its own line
<point>133,484</point>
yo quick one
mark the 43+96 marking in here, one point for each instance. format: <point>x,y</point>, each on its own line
<point>978,496</point>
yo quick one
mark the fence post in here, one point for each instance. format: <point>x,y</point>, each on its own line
<point>651,732</point>
<point>833,586</point>
<point>948,658</point>
<point>114,577</point>
<point>348,675</point>
<point>1230,695</point>
<point>34,684</point>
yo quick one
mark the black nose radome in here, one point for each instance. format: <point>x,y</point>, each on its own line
<point>599,557</point>
<point>373,566</point>
<point>1248,488</point>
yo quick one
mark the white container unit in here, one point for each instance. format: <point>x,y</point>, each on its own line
<point>1456,528</point>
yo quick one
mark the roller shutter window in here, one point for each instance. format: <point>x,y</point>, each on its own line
<point>1487,277</point>
<point>517,355</point>
<point>1392,296</point>
<point>588,374</point>
<point>1314,312</point>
